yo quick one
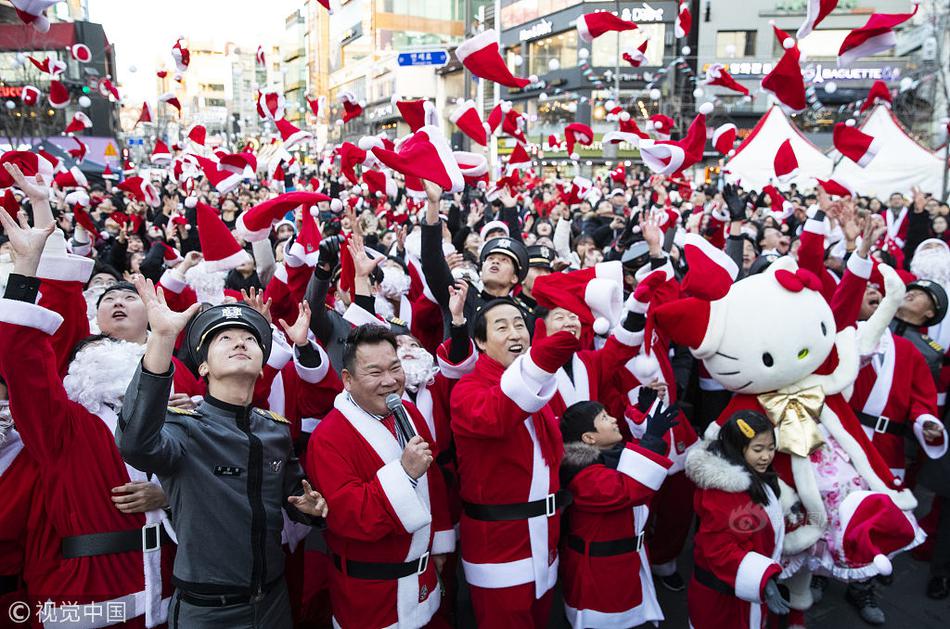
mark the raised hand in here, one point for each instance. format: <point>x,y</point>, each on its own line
<point>363,265</point>
<point>297,333</point>
<point>874,229</point>
<point>27,242</point>
<point>310,502</point>
<point>162,320</point>
<point>433,191</point>
<point>37,192</point>
<point>255,299</point>
<point>659,423</point>
<point>735,203</point>
<point>457,295</point>
<point>652,234</point>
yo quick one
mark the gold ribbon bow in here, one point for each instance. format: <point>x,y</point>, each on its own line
<point>794,416</point>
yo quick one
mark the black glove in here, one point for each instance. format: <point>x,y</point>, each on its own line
<point>773,599</point>
<point>735,203</point>
<point>645,398</point>
<point>657,425</point>
<point>330,251</point>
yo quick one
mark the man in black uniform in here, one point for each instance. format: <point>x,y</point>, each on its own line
<point>924,305</point>
<point>227,468</point>
<point>540,262</point>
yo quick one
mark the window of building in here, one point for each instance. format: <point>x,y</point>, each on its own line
<point>603,50</point>
<point>562,47</point>
<point>735,44</point>
<point>823,44</point>
<point>511,56</point>
<point>517,12</point>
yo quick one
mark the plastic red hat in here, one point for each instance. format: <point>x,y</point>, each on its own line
<point>854,144</point>
<point>785,163</point>
<point>255,223</point>
<point>590,26</point>
<point>469,122</point>
<point>480,55</point>
<point>425,154</point>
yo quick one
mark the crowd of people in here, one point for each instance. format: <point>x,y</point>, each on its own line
<point>301,402</point>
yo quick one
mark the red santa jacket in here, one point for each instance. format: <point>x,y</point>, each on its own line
<point>899,388</point>
<point>376,515</point>
<point>504,431</point>
<point>609,504</point>
<point>739,543</point>
<point>17,478</point>
<point>78,465</point>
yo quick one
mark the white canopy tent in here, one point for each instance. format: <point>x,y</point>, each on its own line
<point>900,164</point>
<point>752,164</point>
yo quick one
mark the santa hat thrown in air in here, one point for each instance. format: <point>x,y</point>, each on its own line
<point>255,223</point>
<point>58,95</point>
<point>780,206</point>
<point>181,55</point>
<point>785,163</point>
<point>72,178</point>
<point>317,104</point>
<point>220,250</point>
<point>80,122</point>
<point>474,168</point>
<point>141,190</point>
<point>590,26</point>
<point>81,53</point>
<point>30,95</point>
<point>877,35</point>
<point>425,154</point>
<point>417,113</point>
<point>666,157</point>
<point>198,134</point>
<point>577,133</point>
<point>160,154</point>
<point>30,164</point>
<point>838,187</point>
<point>350,156</point>
<point>33,12</point>
<point>379,183</point>
<point>638,56</point>
<point>244,164</point>
<point>107,173</point>
<point>170,99</point>
<point>146,114</point>
<point>291,134</point>
<point>497,114</point>
<point>78,153</point>
<point>50,65</point>
<point>594,294</point>
<point>480,55</point>
<point>306,245</point>
<point>717,75</point>
<point>170,255</point>
<point>352,108</point>
<point>518,160</point>
<point>815,12</point>
<point>724,138</point>
<point>619,174</point>
<point>223,181</point>
<point>469,122</point>
<point>513,124</point>
<point>684,21</point>
<point>878,94</point>
<point>661,125</point>
<point>854,144</point>
<point>874,529</point>
<point>271,104</point>
<point>785,81</point>
<point>261,57</point>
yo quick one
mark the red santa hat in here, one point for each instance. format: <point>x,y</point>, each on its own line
<point>854,144</point>
<point>30,95</point>
<point>261,57</point>
<point>271,104</point>
<point>552,143</point>
<point>127,168</point>
<point>513,124</point>
<point>81,53</point>
<point>170,99</point>
<point>590,26</point>
<point>878,94</point>
<point>352,108</point>
<point>141,190</point>
<point>291,134</point>
<point>469,122</point>
<point>785,163</point>
<point>108,174</point>
<point>378,183</point>
<point>594,294</point>
<point>255,224</point>
<point>80,122</point>
<point>350,156</point>
<point>785,81</point>
<point>480,55</point>
<point>417,113</point>
<point>244,164</point>
<point>146,113</point>
<point>160,154</point>
<point>815,12</point>
<point>78,153</point>
<point>425,154</point>
<point>30,164</point>
<point>58,95</point>
<point>198,134</point>
<point>415,189</point>
<point>661,125</point>
<point>518,160</point>
<point>838,186</point>
<point>877,35</point>
<point>497,114</point>
<point>306,245</point>
<point>780,206</point>
<point>638,56</point>
<point>85,221</point>
<point>474,168</point>
<point>874,529</point>
<point>220,250</point>
<point>666,157</point>
<point>50,65</point>
<point>619,174</point>
<point>9,203</point>
<point>33,12</point>
<point>170,255</point>
<point>57,163</point>
<point>223,181</point>
<point>724,138</point>
<point>72,178</point>
<point>684,21</point>
<point>316,104</point>
<point>717,75</point>
<point>577,133</point>
<point>106,88</point>
<point>182,55</point>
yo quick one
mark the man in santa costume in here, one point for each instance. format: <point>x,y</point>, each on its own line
<point>509,450</point>
<point>386,507</point>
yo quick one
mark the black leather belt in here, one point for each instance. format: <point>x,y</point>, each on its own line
<point>547,506</point>
<point>881,424</point>
<point>146,539</point>
<point>605,549</point>
<point>704,577</point>
<point>9,583</point>
<point>223,600</point>
<point>378,571</point>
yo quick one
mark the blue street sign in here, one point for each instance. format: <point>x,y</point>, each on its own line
<point>424,58</point>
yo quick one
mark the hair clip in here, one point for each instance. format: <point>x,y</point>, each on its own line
<point>745,428</point>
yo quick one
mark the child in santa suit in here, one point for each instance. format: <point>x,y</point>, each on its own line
<point>741,527</point>
<point>603,529</point>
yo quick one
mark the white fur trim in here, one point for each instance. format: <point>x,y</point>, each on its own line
<point>444,542</point>
<point>626,337</point>
<point>860,266</point>
<point>642,469</point>
<point>527,385</point>
<point>172,282</point>
<point>247,234</point>
<point>652,155</point>
<point>621,136</point>
<point>65,267</point>
<point>402,496</point>
<point>227,263</point>
<point>357,316</point>
<point>444,151</point>
<point>456,371</point>
<point>499,575</point>
<point>870,46</point>
<point>582,30</point>
<point>714,330</point>
<point>749,576</point>
<point>476,43</point>
<point>313,375</point>
<point>710,471</point>
<point>932,451</point>
<point>29,315</point>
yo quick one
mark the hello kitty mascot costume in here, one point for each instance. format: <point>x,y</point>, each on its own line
<point>776,343</point>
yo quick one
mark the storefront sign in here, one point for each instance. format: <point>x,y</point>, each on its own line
<point>351,33</point>
<point>815,72</point>
<point>540,29</point>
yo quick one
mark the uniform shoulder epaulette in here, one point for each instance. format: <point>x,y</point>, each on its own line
<point>932,343</point>
<point>271,415</point>
<point>174,410</point>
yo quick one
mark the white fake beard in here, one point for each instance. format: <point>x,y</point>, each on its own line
<point>339,306</point>
<point>395,283</point>
<point>208,285</point>
<point>6,420</point>
<point>418,366</point>
<point>460,274</point>
<point>383,307</point>
<point>932,264</point>
<point>100,373</point>
<point>91,296</point>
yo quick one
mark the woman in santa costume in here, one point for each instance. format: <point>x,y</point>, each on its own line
<point>612,484</point>
<point>738,547</point>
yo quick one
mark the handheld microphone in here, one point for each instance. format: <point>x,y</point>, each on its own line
<point>403,423</point>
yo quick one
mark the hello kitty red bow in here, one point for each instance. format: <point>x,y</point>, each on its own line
<point>798,280</point>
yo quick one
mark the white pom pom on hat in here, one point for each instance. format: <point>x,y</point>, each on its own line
<point>646,369</point>
<point>601,326</point>
<point>850,122</point>
<point>788,43</point>
<point>706,108</point>
<point>191,202</point>
<point>883,564</point>
<point>336,205</point>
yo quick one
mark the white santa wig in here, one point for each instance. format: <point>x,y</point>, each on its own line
<point>100,373</point>
<point>6,420</point>
<point>208,285</point>
<point>931,261</point>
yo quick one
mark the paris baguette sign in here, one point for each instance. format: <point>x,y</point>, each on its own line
<point>644,13</point>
